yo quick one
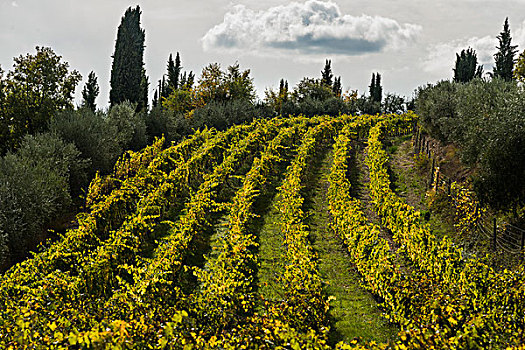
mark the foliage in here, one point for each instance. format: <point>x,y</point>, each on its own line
<point>468,309</point>
<point>120,279</point>
<point>337,88</point>
<point>174,71</point>
<point>181,101</point>
<point>5,132</point>
<point>143,103</point>
<point>275,100</point>
<point>221,115</point>
<point>90,92</point>
<point>217,85</point>
<point>310,88</point>
<point>35,189</point>
<point>157,121</point>
<point>129,126</point>
<point>375,88</point>
<point>127,70</point>
<point>91,134</point>
<point>504,58</point>
<point>437,107</point>
<point>327,75</point>
<point>484,119</point>
<point>467,66</point>
<point>467,209</point>
<point>393,104</point>
<point>519,68</point>
<point>37,87</point>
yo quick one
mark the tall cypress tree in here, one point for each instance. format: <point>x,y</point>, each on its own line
<point>337,88</point>
<point>467,66</point>
<point>144,86</point>
<point>164,92</point>
<point>504,58</point>
<point>378,91</point>
<point>90,92</point>
<point>155,101</point>
<point>127,75</point>
<point>326,74</point>
<point>372,87</point>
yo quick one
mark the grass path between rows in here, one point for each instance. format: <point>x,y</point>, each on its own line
<point>272,253</point>
<point>354,312</point>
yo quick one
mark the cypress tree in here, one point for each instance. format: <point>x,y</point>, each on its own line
<point>183,80</point>
<point>504,58</point>
<point>176,73</point>
<point>337,88</point>
<point>467,66</point>
<point>164,90</point>
<point>90,92</point>
<point>326,74</point>
<point>160,91</point>
<point>127,76</point>
<point>155,101</point>
<point>174,69</point>
<point>378,91</point>
<point>190,81</point>
<point>144,86</point>
<point>372,87</point>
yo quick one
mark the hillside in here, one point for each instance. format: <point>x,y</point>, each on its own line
<point>280,233</point>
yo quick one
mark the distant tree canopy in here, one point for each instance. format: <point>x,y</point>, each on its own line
<point>90,92</point>
<point>217,85</point>
<point>504,58</point>
<point>311,88</point>
<point>372,104</point>
<point>179,84</point>
<point>37,87</point>
<point>128,78</point>
<point>214,85</point>
<point>466,67</point>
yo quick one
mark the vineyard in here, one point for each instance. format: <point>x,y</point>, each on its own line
<point>228,240</point>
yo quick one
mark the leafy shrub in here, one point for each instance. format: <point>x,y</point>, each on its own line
<point>485,119</point>
<point>102,137</point>
<point>92,136</point>
<point>35,189</point>
<point>437,107</point>
<point>157,124</point>
<point>128,127</point>
<point>219,115</point>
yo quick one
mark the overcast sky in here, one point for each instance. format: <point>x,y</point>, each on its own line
<point>409,42</point>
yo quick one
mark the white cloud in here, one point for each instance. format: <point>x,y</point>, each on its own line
<point>14,4</point>
<point>311,27</point>
<point>441,56</point>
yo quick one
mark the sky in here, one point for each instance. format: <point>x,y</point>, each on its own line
<point>410,42</point>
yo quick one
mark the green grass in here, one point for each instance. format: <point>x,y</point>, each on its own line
<point>272,255</point>
<point>354,313</point>
<point>410,182</point>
